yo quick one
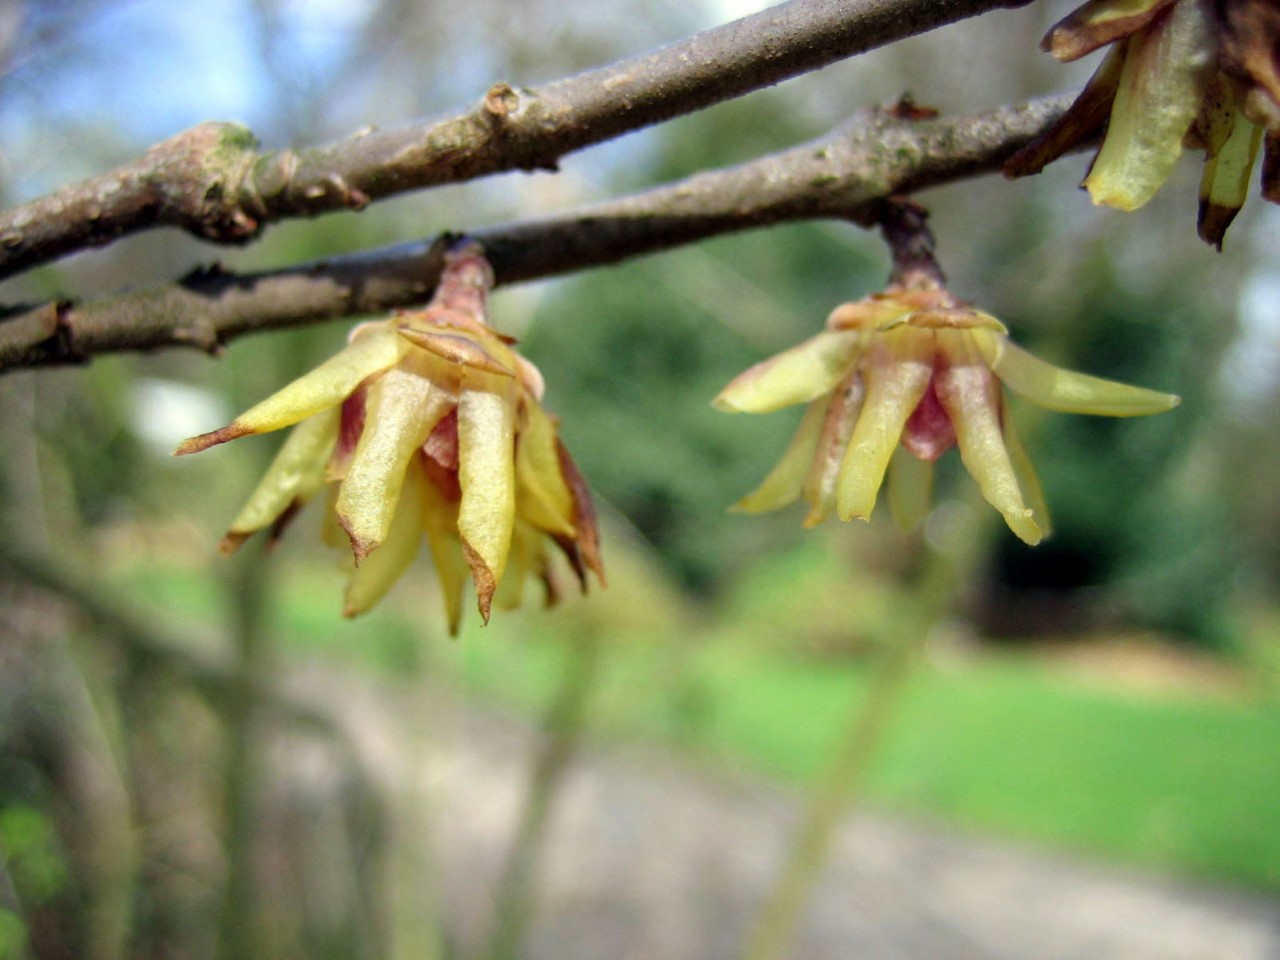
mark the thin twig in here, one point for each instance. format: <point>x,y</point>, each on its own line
<point>515,898</point>
<point>843,175</point>
<point>147,646</point>
<point>212,182</point>
<point>775,926</point>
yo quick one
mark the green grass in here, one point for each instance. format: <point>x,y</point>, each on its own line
<point>1005,745</point>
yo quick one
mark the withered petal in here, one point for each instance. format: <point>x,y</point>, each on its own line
<point>1097,23</point>
<point>1249,50</point>
<point>1081,124</point>
<point>585,522</point>
<point>1271,167</point>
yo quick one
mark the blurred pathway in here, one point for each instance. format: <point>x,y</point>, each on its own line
<point>652,859</point>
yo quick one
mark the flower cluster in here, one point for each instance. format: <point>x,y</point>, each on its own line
<point>428,422</point>
<point>895,381</point>
<point>1180,73</point>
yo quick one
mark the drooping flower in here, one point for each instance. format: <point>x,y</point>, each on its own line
<point>895,381</point>
<point>1181,73</point>
<point>426,423</point>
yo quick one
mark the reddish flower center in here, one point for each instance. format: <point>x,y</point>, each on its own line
<point>929,433</point>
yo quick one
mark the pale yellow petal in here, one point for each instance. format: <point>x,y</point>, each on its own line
<point>440,520</point>
<point>1224,185</point>
<point>897,375</point>
<point>401,410</point>
<point>294,476</point>
<point>785,481</point>
<point>371,580</point>
<point>803,373</point>
<point>461,349</point>
<point>1066,391</point>
<point>526,551</point>
<point>910,489</point>
<point>1167,67</point>
<point>325,386</point>
<point>1025,471</point>
<point>542,496</point>
<point>871,313</point>
<point>840,414</point>
<point>970,394</point>
<point>486,472</point>
<point>331,532</point>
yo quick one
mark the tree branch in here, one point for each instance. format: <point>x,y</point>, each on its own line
<point>843,175</point>
<point>211,181</point>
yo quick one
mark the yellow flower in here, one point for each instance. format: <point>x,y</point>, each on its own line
<point>895,381</point>
<point>425,423</point>
<point>1181,73</point>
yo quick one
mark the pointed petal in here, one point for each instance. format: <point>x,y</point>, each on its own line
<point>331,532</point>
<point>440,520</point>
<point>371,580</point>
<point>587,544</point>
<point>325,386</point>
<point>486,471</point>
<point>1025,471</point>
<point>294,477</point>
<point>839,416</point>
<point>1247,34</point>
<point>1271,167</point>
<point>1097,23</point>
<point>542,496</point>
<point>803,373</point>
<point>458,348</point>
<point>1166,70</point>
<point>1066,391</point>
<point>897,375</point>
<point>403,408</point>
<point>1085,119</point>
<point>350,426</point>
<point>874,312</point>
<point>1224,185</point>
<point>526,550</point>
<point>971,395</point>
<point>910,489</point>
<point>1216,117</point>
<point>786,480</point>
